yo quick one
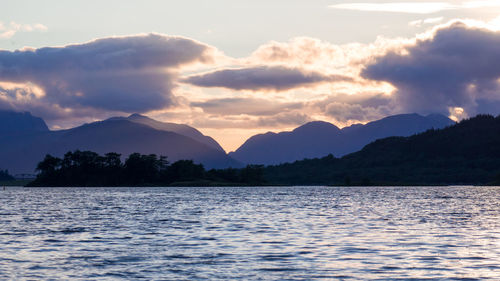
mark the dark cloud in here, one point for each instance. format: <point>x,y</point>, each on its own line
<point>278,119</point>
<point>360,107</point>
<point>249,106</point>
<point>284,119</point>
<point>344,112</point>
<point>251,113</point>
<point>128,74</point>
<point>458,67</point>
<point>277,78</point>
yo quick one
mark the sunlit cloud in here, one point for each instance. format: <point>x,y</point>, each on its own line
<point>398,7</point>
<point>421,22</point>
<point>116,74</point>
<point>9,30</point>
<point>245,106</point>
<point>448,72</point>
<point>480,4</point>
<point>414,7</point>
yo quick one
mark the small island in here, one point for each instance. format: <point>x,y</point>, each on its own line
<point>87,168</point>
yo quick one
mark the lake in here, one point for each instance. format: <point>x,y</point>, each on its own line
<point>250,233</point>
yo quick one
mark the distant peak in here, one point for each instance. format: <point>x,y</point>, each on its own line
<point>404,115</point>
<point>316,125</point>
<point>135,115</point>
<point>436,115</point>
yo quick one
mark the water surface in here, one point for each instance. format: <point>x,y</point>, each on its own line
<point>250,233</point>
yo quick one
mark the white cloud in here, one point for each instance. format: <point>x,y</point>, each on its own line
<point>481,4</point>
<point>7,34</point>
<point>9,30</point>
<point>415,7</point>
<point>421,22</point>
<point>398,7</point>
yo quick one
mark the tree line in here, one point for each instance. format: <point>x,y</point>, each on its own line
<point>465,153</point>
<point>87,168</point>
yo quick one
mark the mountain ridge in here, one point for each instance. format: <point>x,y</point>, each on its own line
<point>465,153</point>
<point>173,127</point>
<point>21,152</point>
<point>319,138</point>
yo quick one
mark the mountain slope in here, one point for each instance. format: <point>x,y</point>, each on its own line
<point>20,123</point>
<point>307,141</point>
<point>317,139</point>
<point>181,129</point>
<point>466,153</point>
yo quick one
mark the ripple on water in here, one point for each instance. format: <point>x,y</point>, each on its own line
<point>250,233</point>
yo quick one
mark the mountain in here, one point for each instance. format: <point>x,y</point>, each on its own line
<point>308,141</point>
<point>13,123</point>
<point>181,129</point>
<point>465,153</point>
<point>317,139</point>
<point>20,153</point>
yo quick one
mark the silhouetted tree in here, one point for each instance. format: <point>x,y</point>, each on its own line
<point>184,170</point>
<point>252,174</point>
<point>86,168</point>
<point>141,169</point>
<point>48,165</point>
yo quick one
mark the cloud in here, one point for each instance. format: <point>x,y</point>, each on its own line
<point>125,74</point>
<point>8,31</point>
<point>299,51</point>
<point>364,107</point>
<point>248,113</point>
<point>455,68</point>
<point>247,106</point>
<point>276,78</point>
<point>284,119</point>
<point>275,119</point>
<point>347,112</point>
<point>397,7</point>
<point>421,22</point>
<point>415,7</point>
<point>28,97</point>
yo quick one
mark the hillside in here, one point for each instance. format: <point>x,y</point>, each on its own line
<point>13,123</point>
<point>466,153</point>
<point>181,129</point>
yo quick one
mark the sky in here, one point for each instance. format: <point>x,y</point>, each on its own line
<point>235,68</point>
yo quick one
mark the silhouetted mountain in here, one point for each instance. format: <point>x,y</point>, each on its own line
<point>317,139</point>
<point>181,129</point>
<point>21,153</point>
<point>20,123</point>
<point>466,153</point>
<point>308,141</point>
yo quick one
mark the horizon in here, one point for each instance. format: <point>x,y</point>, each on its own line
<point>344,62</point>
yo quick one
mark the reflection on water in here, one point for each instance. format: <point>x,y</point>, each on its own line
<point>298,233</point>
